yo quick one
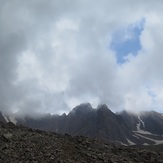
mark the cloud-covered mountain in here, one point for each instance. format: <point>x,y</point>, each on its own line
<point>123,127</point>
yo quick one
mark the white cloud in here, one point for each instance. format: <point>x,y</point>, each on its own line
<point>55,54</point>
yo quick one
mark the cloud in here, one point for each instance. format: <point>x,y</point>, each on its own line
<point>56,54</point>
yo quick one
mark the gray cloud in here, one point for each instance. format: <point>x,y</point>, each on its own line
<point>55,55</point>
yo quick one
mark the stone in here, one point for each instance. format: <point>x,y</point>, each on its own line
<point>7,136</point>
<point>22,145</point>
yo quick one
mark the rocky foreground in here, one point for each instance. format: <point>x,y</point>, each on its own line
<point>23,145</point>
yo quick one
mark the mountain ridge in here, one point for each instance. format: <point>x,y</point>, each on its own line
<point>124,127</point>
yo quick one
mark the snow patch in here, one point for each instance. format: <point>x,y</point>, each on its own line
<point>6,119</point>
<point>139,133</point>
<point>121,143</point>
<point>145,144</point>
<point>130,142</point>
<point>12,119</point>
<point>135,136</point>
<point>144,132</point>
<point>140,130</point>
<point>157,142</point>
<point>141,121</point>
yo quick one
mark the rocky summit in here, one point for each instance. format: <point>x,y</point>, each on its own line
<point>24,145</point>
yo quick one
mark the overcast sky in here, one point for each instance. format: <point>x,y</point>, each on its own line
<point>56,54</point>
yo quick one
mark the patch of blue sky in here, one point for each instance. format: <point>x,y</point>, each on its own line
<point>126,41</point>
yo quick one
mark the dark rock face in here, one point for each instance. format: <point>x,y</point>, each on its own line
<point>2,119</point>
<point>147,126</point>
<point>130,119</point>
<point>153,122</point>
<point>24,145</point>
<point>124,127</point>
<point>86,121</point>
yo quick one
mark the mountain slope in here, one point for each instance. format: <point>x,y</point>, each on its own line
<point>20,144</point>
<point>146,126</point>
<point>124,127</point>
<point>2,118</point>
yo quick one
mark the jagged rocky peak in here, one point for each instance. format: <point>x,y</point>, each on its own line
<point>86,108</point>
<point>82,109</point>
<point>103,108</point>
<point>63,115</point>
